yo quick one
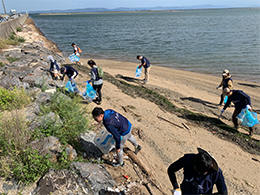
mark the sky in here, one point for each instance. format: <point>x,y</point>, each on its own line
<point>45,5</point>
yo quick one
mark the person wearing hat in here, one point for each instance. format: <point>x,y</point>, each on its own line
<point>120,127</point>
<point>54,68</point>
<point>69,71</point>
<point>147,66</point>
<point>201,173</point>
<point>240,100</point>
<point>226,82</point>
<point>76,52</point>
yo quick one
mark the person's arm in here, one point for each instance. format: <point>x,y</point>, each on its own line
<point>227,103</point>
<point>174,167</point>
<point>247,99</point>
<point>112,129</point>
<point>93,76</point>
<point>221,185</point>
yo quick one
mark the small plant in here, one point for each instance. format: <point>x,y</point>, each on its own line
<point>12,59</point>
<point>10,99</point>
<point>2,64</point>
<point>19,29</point>
<point>20,39</point>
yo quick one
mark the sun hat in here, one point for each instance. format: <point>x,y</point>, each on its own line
<point>214,162</point>
<point>225,72</point>
<point>226,91</point>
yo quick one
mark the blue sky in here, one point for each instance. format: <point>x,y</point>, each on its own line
<point>36,5</point>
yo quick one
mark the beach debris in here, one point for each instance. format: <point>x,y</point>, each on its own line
<point>186,126</point>
<point>169,122</point>
<point>124,108</point>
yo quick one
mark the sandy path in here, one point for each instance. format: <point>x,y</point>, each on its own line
<point>165,143</point>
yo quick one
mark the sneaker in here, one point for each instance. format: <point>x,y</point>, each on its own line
<point>117,164</point>
<point>137,149</point>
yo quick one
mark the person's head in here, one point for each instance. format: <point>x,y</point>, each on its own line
<point>73,44</point>
<point>202,163</point>
<point>225,73</point>
<point>227,92</point>
<point>98,114</point>
<point>62,70</point>
<point>139,57</point>
<point>91,63</point>
<point>50,58</point>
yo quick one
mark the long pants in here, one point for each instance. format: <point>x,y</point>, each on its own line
<point>130,138</point>
<point>146,73</point>
<point>98,88</point>
<point>221,99</point>
<point>235,120</point>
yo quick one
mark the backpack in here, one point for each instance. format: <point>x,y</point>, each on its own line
<point>79,50</point>
<point>100,72</point>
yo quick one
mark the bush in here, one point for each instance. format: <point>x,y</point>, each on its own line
<point>12,59</point>
<point>73,118</point>
<point>11,99</point>
<point>19,29</point>
<point>2,64</point>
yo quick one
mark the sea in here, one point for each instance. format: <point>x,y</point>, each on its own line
<point>200,40</point>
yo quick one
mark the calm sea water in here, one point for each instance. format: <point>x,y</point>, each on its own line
<point>205,41</point>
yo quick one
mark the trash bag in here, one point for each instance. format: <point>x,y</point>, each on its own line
<point>89,93</point>
<point>248,119</point>
<point>104,141</point>
<point>69,87</point>
<point>74,58</point>
<point>225,99</point>
<point>74,85</point>
<point>138,71</point>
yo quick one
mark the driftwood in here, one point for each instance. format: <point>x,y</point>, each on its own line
<point>170,122</point>
<point>142,166</point>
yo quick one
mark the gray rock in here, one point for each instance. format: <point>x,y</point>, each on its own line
<point>44,97</point>
<point>89,146</point>
<point>62,182</point>
<point>97,176</point>
<point>32,111</point>
<point>9,81</point>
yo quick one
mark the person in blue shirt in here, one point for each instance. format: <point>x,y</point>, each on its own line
<point>97,82</point>
<point>201,173</point>
<point>120,127</point>
<point>69,71</point>
<point>240,100</point>
<point>147,66</point>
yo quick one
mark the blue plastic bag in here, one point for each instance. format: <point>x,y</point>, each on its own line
<point>69,87</point>
<point>74,85</point>
<point>225,99</point>
<point>89,93</point>
<point>248,119</point>
<point>138,71</point>
<point>74,58</point>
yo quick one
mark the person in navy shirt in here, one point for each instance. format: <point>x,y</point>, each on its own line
<point>240,100</point>
<point>119,127</point>
<point>69,71</point>
<point>201,173</point>
<point>226,82</point>
<point>147,66</point>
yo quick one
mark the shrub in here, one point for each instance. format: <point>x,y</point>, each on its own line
<point>10,99</point>
<point>73,118</point>
<point>19,29</point>
<point>2,64</point>
<point>12,59</point>
<point>20,39</point>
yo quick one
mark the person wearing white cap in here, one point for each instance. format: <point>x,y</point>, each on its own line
<point>201,173</point>
<point>226,82</point>
<point>54,68</point>
<point>240,100</point>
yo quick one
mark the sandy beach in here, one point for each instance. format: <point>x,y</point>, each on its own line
<point>162,142</point>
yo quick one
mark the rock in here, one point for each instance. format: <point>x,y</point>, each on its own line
<point>32,111</point>
<point>62,182</point>
<point>9,81</point>
<point>89,146</point>
<point>51,145</point>
<point>44,97</point>
<point>97,176</point>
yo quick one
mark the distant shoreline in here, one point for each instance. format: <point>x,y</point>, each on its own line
<point>114,12</point>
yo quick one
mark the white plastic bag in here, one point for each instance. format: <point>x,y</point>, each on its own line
<point>104,141</point>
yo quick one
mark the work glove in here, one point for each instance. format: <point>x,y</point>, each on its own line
<point>88,81</point>
<point>176,192</point>
<point>248,107</point>
<point>140,66</point>
<point>70,79</point>
<point>222,111</point>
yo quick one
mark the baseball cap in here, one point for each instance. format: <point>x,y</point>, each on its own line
<point>226,91</point>
<point>214,162</point>
<point>225,72</point>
